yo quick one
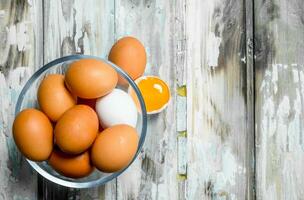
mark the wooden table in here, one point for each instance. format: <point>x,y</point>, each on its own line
<point>234,127</point>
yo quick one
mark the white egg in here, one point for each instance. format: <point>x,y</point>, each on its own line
<point>116,108</point>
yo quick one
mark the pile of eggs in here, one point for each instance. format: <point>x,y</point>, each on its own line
<point>84,121</point>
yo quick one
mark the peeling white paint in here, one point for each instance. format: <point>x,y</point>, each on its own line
<point>279,65</point>
<point>267,73</point>
<point>262,85</point>
<point>295,75</point>
<point>282,123</point>
<point>280,141</point>
<point>268,113</point>
<point>213,49</point>
<point>4,102</point>
<point>18,35</point>
<point>284,107</point>
<point>2,13</point>
<point>243,59</point>
<point>228,173</point>
<point>274,76</point>
<point>30,2</point>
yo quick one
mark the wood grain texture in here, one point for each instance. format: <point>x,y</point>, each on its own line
<point>20,56</point>
<point>77,27</point>
<point>153,175</point>
<point>220,134</point>
<point>226,106</point>
<point>279,45</point>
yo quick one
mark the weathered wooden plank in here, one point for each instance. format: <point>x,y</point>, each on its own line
<point>220,117</point>
<point>279,63</point>
<point>248,59</point>
<point>20,55</point>
<point>179,54</point>
<point>70,27</point>
<point>154,174</point>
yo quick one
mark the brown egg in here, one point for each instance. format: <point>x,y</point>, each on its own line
<point>73,166</point>
<point>76,129</point>
<point>33,134</point>
<point>53,97</point>
<point>114,148</point>
<point>130,55</point>
<point>90,78</point>
<point>91,103</point>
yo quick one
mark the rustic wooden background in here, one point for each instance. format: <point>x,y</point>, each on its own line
<point>234,128</point>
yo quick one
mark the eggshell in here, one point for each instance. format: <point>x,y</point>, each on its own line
<point>155,93</point>
<point>90,78</point>
<point>76,129</point>
<point>114,148</point>
<point>73,166</point>
<point>129,54</point>
<point>53,97</point>
<point>33,134</point>
<point>116,108</point>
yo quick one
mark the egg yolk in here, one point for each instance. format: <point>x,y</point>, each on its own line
<point>155,93</point>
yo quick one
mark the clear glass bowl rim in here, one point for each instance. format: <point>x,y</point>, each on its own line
<point>102,180</point>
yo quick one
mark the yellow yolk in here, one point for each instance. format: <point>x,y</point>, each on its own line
<point>155,92</point>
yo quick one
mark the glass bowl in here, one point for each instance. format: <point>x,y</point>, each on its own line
<point>28,99</point>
